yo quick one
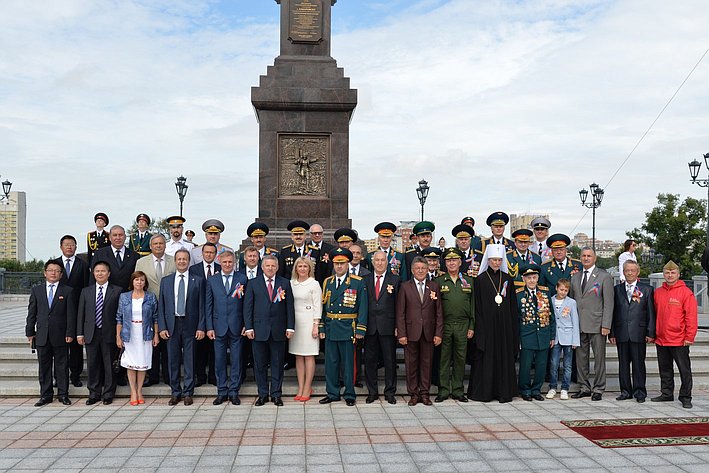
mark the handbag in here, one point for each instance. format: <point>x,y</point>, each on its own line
<point>117,362</point>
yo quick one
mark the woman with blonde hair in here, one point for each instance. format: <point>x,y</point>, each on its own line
<point>305,344</point>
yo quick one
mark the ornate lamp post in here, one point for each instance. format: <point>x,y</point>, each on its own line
<point>6,186</point>
<point>422,192</point>
<point>596,198</point>
<point>181,186</point>
<point>694,167</point>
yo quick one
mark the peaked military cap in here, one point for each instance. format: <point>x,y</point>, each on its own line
<point>498,218</point>
<point>558,240</point>
<point>101,215</point>
<point>345,234</point>
<point>385,229</point>
<point>176,220</point>
<point>189,233</point>
<point>298,226</point>
<point>142,217</point>
<point>424,227</point>
<point>212,226</point>
<point>468,221</point>
<point>257,229</point>
<point>529,269</point>
<point>431,252</point>
<point>452,253</point>
<point>523,234</point>
<point>340,255</point>
<point>541,222</point>
<point>463,231</point>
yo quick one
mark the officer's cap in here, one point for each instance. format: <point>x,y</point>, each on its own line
<point>385,229</point>
<point>424,227</point>
<point>463,231</point>
<point>142,217</point>
<point>176,220</point>
<point>529,269</point>
<point>345,234</point>
<point>298,227</point>
<point>468,221</point>
<point>452,253</point>
<point>101,215</point>
<point>431,252</point>
<point>558,240</point>
<point>498,218</point>
<point>189,233</point>
<point>523,234</point>
<point>541,222</point>
<point>212,226</point>
<point>340,255</point>
<point>257,229</point>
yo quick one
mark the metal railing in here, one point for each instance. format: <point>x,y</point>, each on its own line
<point>18,283</point>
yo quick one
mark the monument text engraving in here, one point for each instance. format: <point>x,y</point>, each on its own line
<point>306,21</point>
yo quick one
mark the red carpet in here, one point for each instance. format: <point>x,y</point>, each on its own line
<point>652,432</point>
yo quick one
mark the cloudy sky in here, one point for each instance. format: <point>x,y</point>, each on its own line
<point>500,105</point>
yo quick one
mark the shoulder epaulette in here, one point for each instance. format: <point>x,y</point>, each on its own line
<point>286,247</point>
<point>329,279</point>
<point>543,288</point>
<point>356,277</point>
<point>520,289</point>
<point>313,247</point>
<point>411,250</point>
<point>510,251</point>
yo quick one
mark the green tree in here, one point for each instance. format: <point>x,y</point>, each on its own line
<point>677,230</point>
<point>157,225</point>
<point>14,266</point>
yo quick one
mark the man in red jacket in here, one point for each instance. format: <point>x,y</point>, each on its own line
<point>676,309</point>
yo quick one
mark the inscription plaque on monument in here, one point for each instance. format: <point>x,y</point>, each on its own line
<point>303,165</point>
<point>306,21</point>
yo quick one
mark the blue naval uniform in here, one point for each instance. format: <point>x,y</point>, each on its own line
<point>344,316</point>
<point>537,328</point>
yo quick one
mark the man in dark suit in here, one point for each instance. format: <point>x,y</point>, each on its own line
<point>269,319</point>
<point>76,276</point>
<point>379,341</point>
<point>592,289</point>
<point>225,323</point>
<point>51,325</point>
<point>121,259</point>
<point>358,269</point>
<point>96,328</point>
<point>419,326</point>
<point>181,322</point>
<point>316,241</point>
<point>251,268</point>
<point>204,349</point>
<point>633,327</point>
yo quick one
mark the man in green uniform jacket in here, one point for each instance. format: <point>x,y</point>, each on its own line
<point>560,267</point>
<point>343,322</point>
<point>458,303</point>
<point>537,331</point>
<point>521,255</point>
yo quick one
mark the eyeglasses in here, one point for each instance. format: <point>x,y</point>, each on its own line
<point>316,233</point>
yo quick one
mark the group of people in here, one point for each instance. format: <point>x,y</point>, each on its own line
<point>204,313</point>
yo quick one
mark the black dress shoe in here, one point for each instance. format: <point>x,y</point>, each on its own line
<point>199,383</point>
<point>260,402</point>
<point>359,385</point>
<point>440,398</point>
<point>325,400</point>
<point>235,400</point>
<point>42,402</point>
<point>640,400</point>
<point>77,383</point>
<point>461,398</point>
<point>596,397</point>
<point>174,400</point>
<point>662,398</point>
<point>107,401</point>
<point>537,397</point>
<point>623,397</point>
<point>371,399</point>
<point>219,400</point>
<point>65,401</point>
<point>526,397</point>
<point>350,402</point>
<point>212,381</point>
<point>391,399</point>
<point>91,401</point>
<point>580,395</point>
<point>278,401</point>
<point>686,403</point>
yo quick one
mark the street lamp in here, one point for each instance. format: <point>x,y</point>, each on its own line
<point>181,186</point>
<point>651,258</point>
<point>596,198</point>
<point>422,192</point>
<point>6,186</point>
<point>694,167</point>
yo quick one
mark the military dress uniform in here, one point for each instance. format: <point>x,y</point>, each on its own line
<point>470,257</point>
<point>173,246</point>
<point>554,270</point>
<point>517,260</point>
<point>257,229</point>
<point>396,262</point>
<point>540,247</point>
<point>497,218</point>
<point>537,328</point>
<point>344,316</point>
<point>458,302</point>
<point>210,226</point>
<point>419,229</point>
<point>141,243</point>
<point>94,240</point>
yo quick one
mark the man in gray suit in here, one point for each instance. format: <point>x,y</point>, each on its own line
<point>592,289</point>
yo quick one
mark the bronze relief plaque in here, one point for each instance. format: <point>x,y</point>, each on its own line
<point>306,21</point>
<point>303,165</point>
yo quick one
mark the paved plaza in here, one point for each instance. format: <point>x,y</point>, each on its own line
<point>519,436</point>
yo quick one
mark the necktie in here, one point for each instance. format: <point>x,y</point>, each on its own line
<point>227,283</point>
<point>629,291</point>
<point>50,297</point>
<point>300,252</point>
<point>378,286</point>
<point>251,273</point>
<point>540,249</point>
<point>67,268</point>
<point>158,269</point>
<point>270,289</point>
<point>181,296</point>
<point>585,280</point>
<point>209,270</point>
<point>337,283</point>
<point>421,286</point>
<point>353,270</point>
<point>99,307</point>
<point>118,258</point>
<point>561,266</point>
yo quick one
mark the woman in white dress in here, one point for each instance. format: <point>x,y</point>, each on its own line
<point>305,344</point>
<point>627,254</point>
<point>137,332</point>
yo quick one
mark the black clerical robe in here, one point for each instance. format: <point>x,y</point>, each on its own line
<point>496,339</point>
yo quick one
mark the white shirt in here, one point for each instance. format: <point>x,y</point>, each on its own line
<point>251,272</point>
<point>204,268</point>
<point>589,275</point>
<point>172,246</point>
<point>155,263</point>
<point>225,276</point>
<point>122,251</point>
<point>177,286</point>
<point>71,264</point>
<point>300,250</point>
<point>54,291</point>
<point>261,252</point>
<point>354,270</point>
<point>316,245</point>
<point>103,288</point>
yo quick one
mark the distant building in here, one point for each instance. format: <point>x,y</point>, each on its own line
<point>403,235</point>
<point>523,221</point>
<point>604,248</point>
<point>372,245</point>
<point>13,227</point>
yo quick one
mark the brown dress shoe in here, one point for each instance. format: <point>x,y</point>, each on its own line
<point>413,401</point>
<point>427,401</point>
<point>188,400</point>
<point>173,401</point>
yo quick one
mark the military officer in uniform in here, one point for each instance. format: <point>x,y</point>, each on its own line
<point>395,260</point>
<point>176,242</point>
<point>99,237</point>
<point>189,235</point>
<point>541,226</point>
<point>497,222</point>
<point>345,238</point>
<point>476,242</point>
<point>257,231</point>
<point>560,266</point>
<point>521,256</point>
<point>458,302</point>
<point>424,233</point>
<point>464,235</point>
<point>432,254</point>
<point>212,229</point>
<point>140,241</point>
<point>290,253</point>
<point>537,331</point>
<point>343,322</point>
